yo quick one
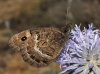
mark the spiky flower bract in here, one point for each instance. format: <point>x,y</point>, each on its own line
<point>81,55</point>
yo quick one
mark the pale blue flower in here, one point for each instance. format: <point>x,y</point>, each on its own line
<point>81,55</point>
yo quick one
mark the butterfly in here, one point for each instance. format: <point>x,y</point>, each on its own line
<point>40,46</point>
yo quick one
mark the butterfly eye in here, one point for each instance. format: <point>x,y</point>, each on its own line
<point>24,38</point>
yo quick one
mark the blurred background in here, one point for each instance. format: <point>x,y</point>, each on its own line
<point>19,15</point>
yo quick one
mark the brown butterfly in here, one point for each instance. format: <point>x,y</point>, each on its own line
<point>40,46</point>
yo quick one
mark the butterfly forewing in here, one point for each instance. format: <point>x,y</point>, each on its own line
<point>39,46</point>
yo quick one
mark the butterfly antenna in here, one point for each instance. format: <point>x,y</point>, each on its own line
<point>67,28</point>
<point>67,16</point>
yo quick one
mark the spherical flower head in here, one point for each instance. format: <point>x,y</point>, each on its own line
<point>81,55</point>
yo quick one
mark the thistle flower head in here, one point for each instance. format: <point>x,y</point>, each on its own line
<point>81,55</point>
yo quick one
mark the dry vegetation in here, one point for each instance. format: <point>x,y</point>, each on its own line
<point>86,11</point>
<point>13,8</point>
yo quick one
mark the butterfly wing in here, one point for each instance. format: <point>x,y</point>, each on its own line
<point>38,46</point>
